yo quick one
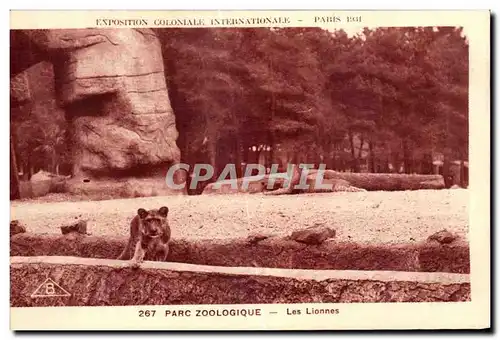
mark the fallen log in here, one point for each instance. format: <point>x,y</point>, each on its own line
<point>367,181</point>
<point>387,182</point>
<point>98,282</point>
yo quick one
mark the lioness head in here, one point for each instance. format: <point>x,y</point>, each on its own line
<point>153,221</point>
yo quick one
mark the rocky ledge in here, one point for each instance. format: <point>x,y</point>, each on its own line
<point>99,282</point>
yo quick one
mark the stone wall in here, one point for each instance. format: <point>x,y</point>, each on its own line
<point>97,282</point>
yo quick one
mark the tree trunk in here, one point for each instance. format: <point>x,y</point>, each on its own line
<point>407,158</point>
<point>14,173</point>
<point>360,151</point>
<point>372,157</point>
<point>448,180</point>
<point>272,145</point>
<point>270,134</point>
<point>212,154</point>
<point>327,156</point>
<point>257,155</point>
<point>31,170</point>
<point>386,168</point>
<point>355,163</point>
<point>427,166</point>
<point>237,151</point>
<point>246,153</point>
<point>21,166</point>
<point>462,174</point>
<point>53,164</point>
<point>320,158</point>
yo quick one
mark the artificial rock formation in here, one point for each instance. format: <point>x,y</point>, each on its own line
<point>98,282</point>
<point>112,86</point>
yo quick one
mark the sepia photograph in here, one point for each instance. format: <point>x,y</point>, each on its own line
<point>239,166</point>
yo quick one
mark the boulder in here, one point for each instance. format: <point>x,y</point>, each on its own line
<point>256,238</point>
<point>79,226</point>
<point>443,237</point>
<point>43,183</point>
<point>313,235</point>
<point>16,227</point>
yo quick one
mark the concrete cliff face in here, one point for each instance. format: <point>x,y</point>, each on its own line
<point>96,282</point>
<point>112,86</point>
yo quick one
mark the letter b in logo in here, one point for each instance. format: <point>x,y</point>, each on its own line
<point>49,288</point>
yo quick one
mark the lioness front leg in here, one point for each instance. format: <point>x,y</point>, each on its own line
<point>138,255</point>
<point>125,254</point>
<point>162,253</point>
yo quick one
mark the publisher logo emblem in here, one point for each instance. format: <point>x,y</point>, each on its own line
<point>49,288</point>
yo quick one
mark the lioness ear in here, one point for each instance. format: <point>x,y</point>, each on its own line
<point>163,211</point>
<point>142,213</point>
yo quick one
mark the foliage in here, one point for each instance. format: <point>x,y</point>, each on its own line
<point>393,96</point>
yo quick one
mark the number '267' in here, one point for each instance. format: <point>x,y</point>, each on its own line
<point>147,313</point>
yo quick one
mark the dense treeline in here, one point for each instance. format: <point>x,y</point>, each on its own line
<point>385,100</point>
<point>38,127</point>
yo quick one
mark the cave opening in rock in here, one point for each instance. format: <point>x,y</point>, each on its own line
<point>94,106</point>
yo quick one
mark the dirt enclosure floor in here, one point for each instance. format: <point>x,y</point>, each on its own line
<point>362,217</point>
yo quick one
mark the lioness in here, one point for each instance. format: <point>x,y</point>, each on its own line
<point>149,237</point>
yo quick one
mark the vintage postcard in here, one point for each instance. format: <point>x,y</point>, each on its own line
<point>249,170</point>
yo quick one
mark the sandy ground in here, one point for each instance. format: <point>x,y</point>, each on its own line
<point>365,217</point>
